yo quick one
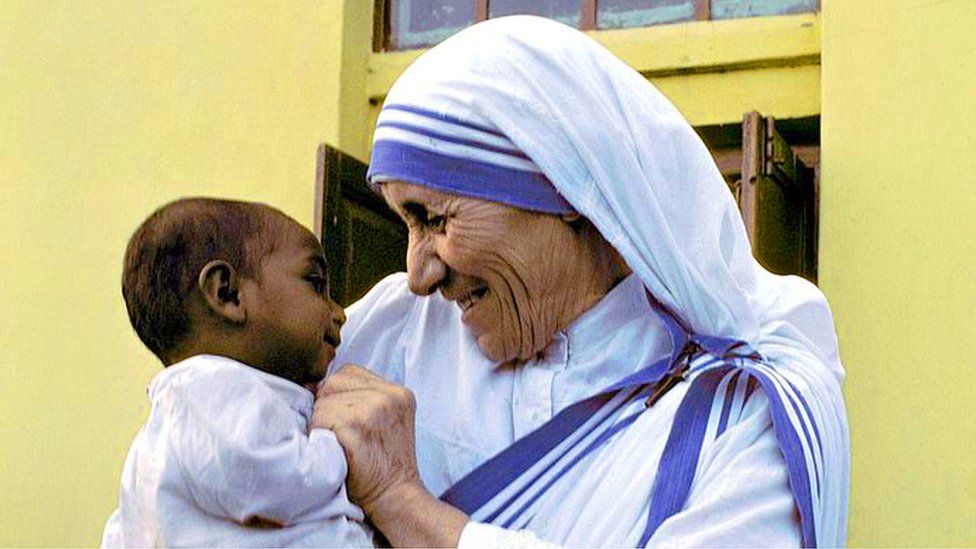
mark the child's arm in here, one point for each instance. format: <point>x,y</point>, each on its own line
<point>245,455</point>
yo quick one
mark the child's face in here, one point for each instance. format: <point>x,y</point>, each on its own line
<point>293,323</point>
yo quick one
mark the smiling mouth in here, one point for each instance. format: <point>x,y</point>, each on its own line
<point>469,299</point>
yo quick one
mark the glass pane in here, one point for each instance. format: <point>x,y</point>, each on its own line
<point>729,9</point>
<point>619,14</point>
<point>421,23</point>
<point>564,11</point>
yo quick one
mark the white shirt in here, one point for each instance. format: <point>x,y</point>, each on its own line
<point>469,409</point>
<point>227,446</point>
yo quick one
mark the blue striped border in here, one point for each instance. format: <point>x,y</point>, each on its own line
<point>679,461</point>
<point>442,118</point>
<point>466,177</point>
<point>792,449</point>
<point>412,128</point>
<point>474,490</point>
<point>682,450</point>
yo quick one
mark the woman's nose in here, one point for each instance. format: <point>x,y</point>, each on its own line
<point>425,269</point>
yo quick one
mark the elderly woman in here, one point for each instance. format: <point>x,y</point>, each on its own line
<point>596,356</point>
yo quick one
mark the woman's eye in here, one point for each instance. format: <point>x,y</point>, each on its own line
<point>436,223</point>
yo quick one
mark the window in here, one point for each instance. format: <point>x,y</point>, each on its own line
<point>406,24</point>
<point>564,11</point>
<point>420,23</point>
<point>618,14</point>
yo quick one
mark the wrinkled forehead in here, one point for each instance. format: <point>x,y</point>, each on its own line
<point>413,201</point>
<point>398,192</point>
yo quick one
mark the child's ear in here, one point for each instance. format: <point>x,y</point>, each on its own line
<point>219,284</point>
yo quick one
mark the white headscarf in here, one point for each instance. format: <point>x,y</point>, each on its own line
<point>617,150</point>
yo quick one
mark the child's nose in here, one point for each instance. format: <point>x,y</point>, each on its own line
<point>338,314</point>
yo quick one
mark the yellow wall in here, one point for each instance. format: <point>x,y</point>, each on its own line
<point>108,110</point>
<point>898,260</point>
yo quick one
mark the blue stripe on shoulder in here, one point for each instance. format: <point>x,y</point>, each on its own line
<point>723,421</point>
<point>793,451</point>
<point>474,490</point>
<point>597,443</point>
<point>679,461</point>
<point>682,451</point>
<point>816,431</point>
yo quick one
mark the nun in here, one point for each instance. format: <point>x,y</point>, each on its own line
<point>583,350</point>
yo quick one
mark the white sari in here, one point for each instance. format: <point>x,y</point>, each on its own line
<point>534,100</point>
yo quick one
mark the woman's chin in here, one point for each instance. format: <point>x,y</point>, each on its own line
<point>499,352</point>
<point>495,349</point>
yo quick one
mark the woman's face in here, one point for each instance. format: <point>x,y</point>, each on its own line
<point>517,276</point>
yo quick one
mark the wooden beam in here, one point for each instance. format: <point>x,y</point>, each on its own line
<point>319,191</point>
<point>480,10</point>
<point>380,25</point>
<point>587,15</point>
<point>753,147</point>
<point>703,10</point>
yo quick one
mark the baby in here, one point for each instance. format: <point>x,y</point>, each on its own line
<point>233,297</point>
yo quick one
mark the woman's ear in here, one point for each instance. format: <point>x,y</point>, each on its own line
<point>219,284</point>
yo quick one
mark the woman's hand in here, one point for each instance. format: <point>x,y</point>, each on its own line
<point>373,419</point>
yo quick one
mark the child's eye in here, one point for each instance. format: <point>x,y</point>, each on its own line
<point>317,282</point>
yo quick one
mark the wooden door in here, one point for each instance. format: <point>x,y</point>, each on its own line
<point>778,198</point>
<point>364,241</point>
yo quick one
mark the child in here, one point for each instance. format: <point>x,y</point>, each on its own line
<point>233,297</point>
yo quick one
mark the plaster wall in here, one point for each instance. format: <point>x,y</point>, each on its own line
<point>898,260</point>
<point>107,111</point>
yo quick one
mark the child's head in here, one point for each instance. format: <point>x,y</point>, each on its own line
<point>238,279</point>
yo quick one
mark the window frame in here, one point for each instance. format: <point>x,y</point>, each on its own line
<point>587,19</point>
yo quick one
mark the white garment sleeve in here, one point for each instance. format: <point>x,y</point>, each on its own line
<point>244,455</point>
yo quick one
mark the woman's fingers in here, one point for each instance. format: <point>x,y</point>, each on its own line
<point>373,419</point>
<point>361,409</point>
<point>351,377</point>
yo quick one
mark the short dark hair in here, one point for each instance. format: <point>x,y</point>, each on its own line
<point>166,253</point>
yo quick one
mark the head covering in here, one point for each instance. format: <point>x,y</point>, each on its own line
<point>545,104</point>
<point>449,154</point>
